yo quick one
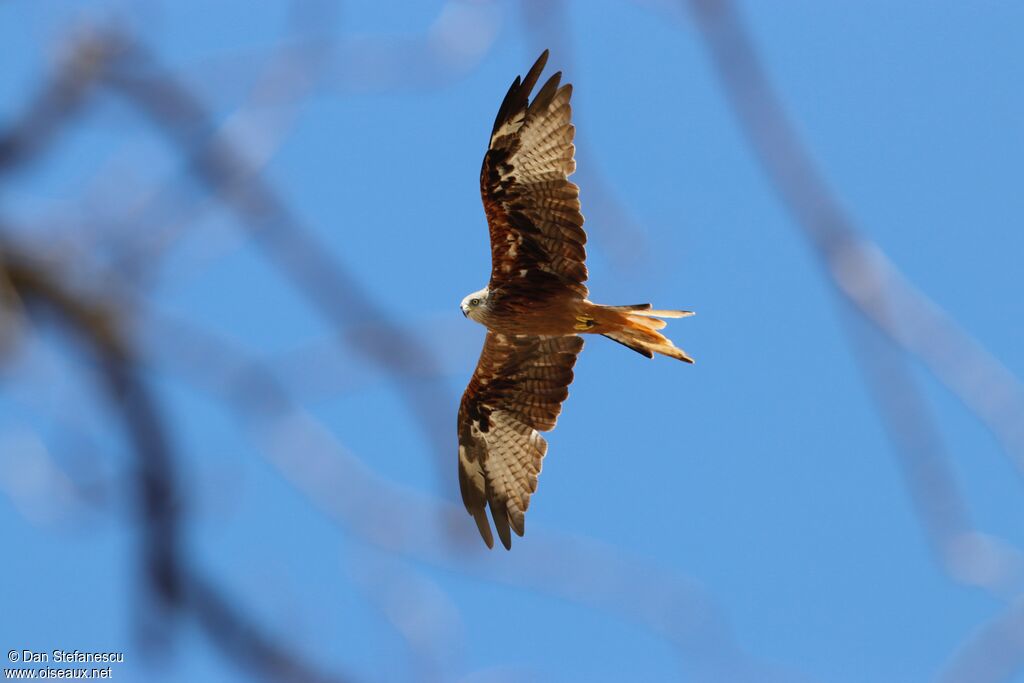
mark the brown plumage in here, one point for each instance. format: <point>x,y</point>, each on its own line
<point>535,306</point>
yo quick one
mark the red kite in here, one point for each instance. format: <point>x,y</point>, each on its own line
<point>535,306</point>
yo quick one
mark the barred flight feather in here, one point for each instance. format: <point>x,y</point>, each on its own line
<point>502,411</point>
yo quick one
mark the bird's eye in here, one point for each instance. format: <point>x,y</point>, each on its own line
<point>474,302</point>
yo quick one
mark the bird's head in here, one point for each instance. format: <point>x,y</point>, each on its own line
<point>475,305</point>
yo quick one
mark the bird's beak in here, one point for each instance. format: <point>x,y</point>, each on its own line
<point>465,313</point>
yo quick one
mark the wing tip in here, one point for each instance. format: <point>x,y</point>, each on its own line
<point>545,95</point>
<point>483,526</point>
<point>539,65</point>
<point>518,94</point>
<point>499,513</point>
<point>474,497</point>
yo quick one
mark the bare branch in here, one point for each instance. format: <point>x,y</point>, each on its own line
<point>408,523</point>
<point>614,230</point>
<point>875,291</point>
<point>172,586</point>
<point>903,318</point>
<point>59,100</point>
<point>993,654</point>
<point>258,125</point>
<point>289,245</point>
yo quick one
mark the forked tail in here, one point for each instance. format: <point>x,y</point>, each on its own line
<point>637,327</point>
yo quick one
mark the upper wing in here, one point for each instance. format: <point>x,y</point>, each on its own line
<point>533,211</point>
<point>516,391</point>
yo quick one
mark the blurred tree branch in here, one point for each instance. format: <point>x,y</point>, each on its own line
<point>171,584</point>
<point>902,319</point>
<point>226,160</point>
<point>874,290</point>
<point>54,106</point>
<point>615,231</point>
<point>289,245</point>
<point>410,524</point>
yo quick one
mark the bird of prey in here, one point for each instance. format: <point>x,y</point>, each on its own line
<point>535,306</point>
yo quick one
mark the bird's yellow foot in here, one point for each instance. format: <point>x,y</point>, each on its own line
<point>583,322</point>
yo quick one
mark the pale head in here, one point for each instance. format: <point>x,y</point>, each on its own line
<point>474,305</point>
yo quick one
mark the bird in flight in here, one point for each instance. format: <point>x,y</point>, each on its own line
<point>535,306</point>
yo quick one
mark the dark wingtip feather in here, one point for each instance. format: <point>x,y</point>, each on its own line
<point>506,104</point>
<point>499,512</point>
<point>645,352</point>
<point>474,500</point>
<point>545,95</point>
<point>518,95</point>
<point>534,73</point>
<point>483,526</point>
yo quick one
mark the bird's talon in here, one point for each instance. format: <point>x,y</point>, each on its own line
<point>583,323</point>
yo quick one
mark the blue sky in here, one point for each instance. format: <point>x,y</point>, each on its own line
<point>762,475</point>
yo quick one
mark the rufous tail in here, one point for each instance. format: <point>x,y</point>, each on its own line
<point>637,327</point>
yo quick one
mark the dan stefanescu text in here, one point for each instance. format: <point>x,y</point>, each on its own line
<point>70,656</point>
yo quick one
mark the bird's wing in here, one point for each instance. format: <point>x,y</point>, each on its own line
<point>516,391</point>
<point>533,211</point>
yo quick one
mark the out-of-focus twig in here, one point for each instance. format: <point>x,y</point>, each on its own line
<point>417,609</point>
<point>290,73</point>
<point>171,584</point>
<point>253,649</point>
<point>875,291</point>
<point>411,524</point>
<point>56,103</point>
<point>45,490</point>
<point>459,37</point>
<point>621,239</point>
<point>315,370</point>
<point>902,318</point>
<point>95,328</point>
<point>217,163</point>
<point>994,653</point>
